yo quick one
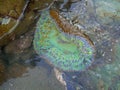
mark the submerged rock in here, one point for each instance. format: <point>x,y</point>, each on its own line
<point>104,31</point>
<point>2,72</point>
<point>107,11</point>
<point>19,45</point>
<point>11,13</point>
<point>16,70</point>
<point>11,8</point>
<point>18,17</point>
<point>35,79</point>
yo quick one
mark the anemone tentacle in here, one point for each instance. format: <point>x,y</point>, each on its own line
<point>64,50</point>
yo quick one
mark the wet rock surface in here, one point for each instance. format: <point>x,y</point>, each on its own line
<point>26,74</point>
<point>18,55</point>
<point>16,70</point>
<point>10,16</point>
<point>36,78</point>
<point>107,11</point>
<point>19,45</point>
<point>2,72</point>
<point>83,15</point>
<point>11,8</point>
<point>12,25</point>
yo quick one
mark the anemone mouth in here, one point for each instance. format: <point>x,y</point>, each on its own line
<point>65,51</point>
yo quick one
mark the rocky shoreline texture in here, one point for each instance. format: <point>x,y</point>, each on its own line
<point>19,62</point>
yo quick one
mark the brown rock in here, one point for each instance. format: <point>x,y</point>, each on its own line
<point>15,9</point>
<point>2,72</point>
<point>19,45</point>
<point>39,4</point>
<point>10,11</point>
<point>16,70</point>
<point>12,8</point>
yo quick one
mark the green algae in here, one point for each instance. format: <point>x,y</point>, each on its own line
<point>64,51</point>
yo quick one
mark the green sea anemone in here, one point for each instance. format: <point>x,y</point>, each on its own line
<point>68,52</point>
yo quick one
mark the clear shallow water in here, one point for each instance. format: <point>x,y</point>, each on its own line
<point>37,78</point>
<point>22,70</point>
